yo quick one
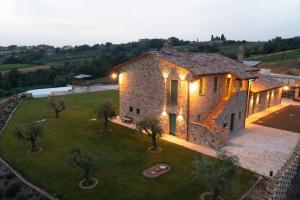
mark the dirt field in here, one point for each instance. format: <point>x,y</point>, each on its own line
<point>291,67</point>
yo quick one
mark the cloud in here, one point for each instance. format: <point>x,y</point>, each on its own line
<point>61,22</point>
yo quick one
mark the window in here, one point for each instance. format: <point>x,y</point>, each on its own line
<point>174,91</point>
<point>130,109</point>
<point>257,99</point>
<point>199,117</point>
<point>240,115</point>
<point>137,111</point>
<point>215,84</point>
<point>201,86</point>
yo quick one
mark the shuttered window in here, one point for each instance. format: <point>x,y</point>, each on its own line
<point>174,91</point>
<point>201,86</point>
<point>215,84</point>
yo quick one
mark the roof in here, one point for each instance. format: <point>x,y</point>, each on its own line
<point>203,63</point>
<point>251,63</point>
<point>264,83</point>
<point>82,76</point>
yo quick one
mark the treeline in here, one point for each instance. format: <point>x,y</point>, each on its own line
<point>251,48</point>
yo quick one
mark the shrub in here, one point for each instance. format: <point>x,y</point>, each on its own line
<point>1,193</point>
<point>21,196</point>
<point>12,189</point>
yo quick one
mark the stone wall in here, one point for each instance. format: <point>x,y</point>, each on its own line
<point>267,99</point>
<point>201,105</point>
<point>278,186</point>
<point>145,86</point>
<point>141,87</point>
<point>236,106</point>
<point>199,134</point>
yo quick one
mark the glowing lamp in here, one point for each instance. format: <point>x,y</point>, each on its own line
<point>228,75</point>
<point>182,77</point>
<point>114,75</point>
<point>164,113</point>
<point>180,117</point>
<point>193,86</point>
<point>286,88</point>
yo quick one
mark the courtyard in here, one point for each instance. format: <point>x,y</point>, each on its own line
<point>267,140</point>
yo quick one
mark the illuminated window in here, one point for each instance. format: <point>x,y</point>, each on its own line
<point>201,86</point>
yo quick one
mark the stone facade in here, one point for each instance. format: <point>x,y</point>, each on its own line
<point>263,100</point>
<point>145,87</point>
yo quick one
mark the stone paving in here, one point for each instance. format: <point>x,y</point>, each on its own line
<point>263,149</point>
<point>260,149</point>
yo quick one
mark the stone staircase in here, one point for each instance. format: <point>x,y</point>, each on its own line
<point>210,122</point>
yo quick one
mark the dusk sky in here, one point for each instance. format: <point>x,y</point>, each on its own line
<point>75,22</point>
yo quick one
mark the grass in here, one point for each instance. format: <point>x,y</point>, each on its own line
<point>283,55</point>
<point>13,66</point>
<point>121,173</point>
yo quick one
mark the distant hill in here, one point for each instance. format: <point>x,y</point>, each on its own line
<point>285,62</point>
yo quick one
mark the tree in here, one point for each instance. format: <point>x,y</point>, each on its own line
<point>60,80</point>
<point>220,174</point>
<point>31,133</point>
<point>212,38</point>
<point>57,104</point>
<point>86,162</point>
<point>105,111</point>
<point>152,128</point>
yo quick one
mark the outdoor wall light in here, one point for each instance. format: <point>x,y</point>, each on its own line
<point>114,75</point>
<point>286,88</point>
<point>193,86</point>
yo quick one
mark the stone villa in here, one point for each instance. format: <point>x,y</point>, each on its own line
<point>201,97</point>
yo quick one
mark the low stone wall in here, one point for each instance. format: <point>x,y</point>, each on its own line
<point>278,186</point>
<point>200,134</point>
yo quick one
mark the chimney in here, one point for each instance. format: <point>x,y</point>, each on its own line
<point>167,47</point>
<point>240,54</point>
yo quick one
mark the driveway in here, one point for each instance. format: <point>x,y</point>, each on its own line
<point>287,118</point>
<point>263,149</point>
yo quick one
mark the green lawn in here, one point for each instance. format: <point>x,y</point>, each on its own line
<point>121,174</point>
<point>13,66</point>
<point>283,55</point>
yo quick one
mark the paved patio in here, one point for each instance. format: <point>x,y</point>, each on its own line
<point>261,149</point>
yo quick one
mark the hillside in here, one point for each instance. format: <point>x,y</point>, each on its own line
<point>285,62</point>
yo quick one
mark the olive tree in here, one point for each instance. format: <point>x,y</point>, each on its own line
<point>86,162</point>
<point>57,104</point>
<point>220,174</point>
<point>152,127</point>
<point>30,133</point>
<point>105,111</point>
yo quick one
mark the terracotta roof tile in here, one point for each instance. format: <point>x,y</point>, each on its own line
<point>207,63</point>
<point>264,83</point>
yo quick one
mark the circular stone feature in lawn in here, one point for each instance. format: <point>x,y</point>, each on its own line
<point>36,151</point>
<point>207,196</point>
<point>156,170</point>
<point>92,185</point>
<point>156,150</point>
